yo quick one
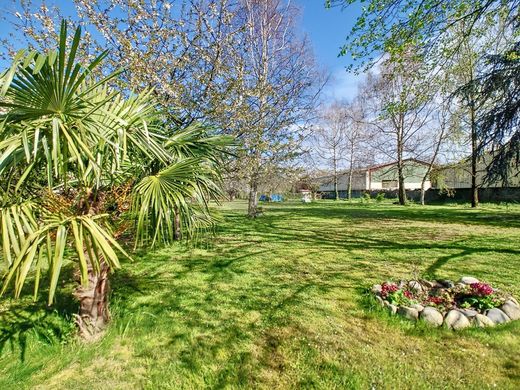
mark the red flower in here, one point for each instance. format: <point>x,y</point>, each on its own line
<point>481,289</point>
<point>387,289</point>
<point>408,294</point>
<point>435,300</point>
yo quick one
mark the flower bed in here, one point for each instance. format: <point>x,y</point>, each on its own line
<point>456,306</point>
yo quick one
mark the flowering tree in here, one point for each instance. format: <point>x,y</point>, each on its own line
<point>239,66</point>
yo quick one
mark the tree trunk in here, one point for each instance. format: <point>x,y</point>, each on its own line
<point>335,167</point>
<point>252,207</point>
<point>401,185</point>
<point>402,190</point>
<point>422,191</point>
<point>351,171</point>
<point>336,192</point>
<point>177,226</point>
<point>400,168</point>
<point>474,157</point>
<point>94,314</point>
<point>350,184</point>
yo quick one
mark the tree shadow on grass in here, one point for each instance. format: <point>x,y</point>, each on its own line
<point>442,214</point>
<point>228,303</point>
<point>351,241</point>
<point>219,310</point>
<point>25,320</point>
<point>219,304</point>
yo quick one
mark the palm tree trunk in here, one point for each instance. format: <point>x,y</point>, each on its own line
<point>94,314</point>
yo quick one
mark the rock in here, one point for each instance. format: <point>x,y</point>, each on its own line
<point>456,320</point>
<point>514,301</point>
<point>401,284</point>
<point>511,309</point>
<point>390,307</point>
<point>415,285</point>
<point>497,316</point>
<point>469,280</point>
<point>417,307</point>
<point>376,289</point>
<point>428,284</point>
<point>482,321</point>
<point>380,301</point>
<point>432,316</point>
<point>447,283</point>
<point>408,312</point>
<point>470,313</point>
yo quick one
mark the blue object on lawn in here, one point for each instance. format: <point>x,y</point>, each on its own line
<point>263,198</point>
<point>276,198</point>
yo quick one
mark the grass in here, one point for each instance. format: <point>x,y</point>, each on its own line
<point>279,302</point>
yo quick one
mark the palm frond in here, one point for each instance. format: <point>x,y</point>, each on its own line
<point>26,243</point>
<point>195,141</point>
<point>183,190</point>
<point>48,99</point>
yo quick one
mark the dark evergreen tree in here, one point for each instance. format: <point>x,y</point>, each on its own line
<point>499,126</point>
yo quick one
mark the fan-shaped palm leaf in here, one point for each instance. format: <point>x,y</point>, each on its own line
<point>29,242</point>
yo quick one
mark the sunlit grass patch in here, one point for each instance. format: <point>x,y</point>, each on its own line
<point>279,302</point>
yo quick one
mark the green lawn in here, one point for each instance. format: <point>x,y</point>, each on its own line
<point>279,302</point>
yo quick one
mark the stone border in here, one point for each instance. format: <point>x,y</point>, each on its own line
<point>455,318</point>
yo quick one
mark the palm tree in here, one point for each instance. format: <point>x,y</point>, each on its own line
<point>81,165</point>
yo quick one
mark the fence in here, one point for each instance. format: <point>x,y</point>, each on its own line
<point>492,195</point>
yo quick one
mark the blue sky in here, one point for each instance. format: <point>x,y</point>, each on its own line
<point>326,28</point>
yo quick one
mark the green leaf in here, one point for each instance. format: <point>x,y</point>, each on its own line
<point>57,261</point>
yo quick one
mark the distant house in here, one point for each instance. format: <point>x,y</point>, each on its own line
<point>378,177</point>
<point>458,175</point>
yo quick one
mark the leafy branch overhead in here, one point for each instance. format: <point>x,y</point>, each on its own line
<point>386,26</point>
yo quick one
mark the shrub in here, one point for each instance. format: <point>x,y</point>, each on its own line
<point>366,197</point>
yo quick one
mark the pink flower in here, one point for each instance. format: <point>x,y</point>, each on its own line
<point>435,300</point>
<point>387,289</point>
<point>481,289</point>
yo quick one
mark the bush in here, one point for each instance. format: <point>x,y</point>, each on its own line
<point>366,197</point>
<point>380,197</point>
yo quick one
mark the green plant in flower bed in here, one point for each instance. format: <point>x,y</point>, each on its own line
<point>401,298</point>
<point>480,296</point>
<point>481,303</point>
<point>397,296</point>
